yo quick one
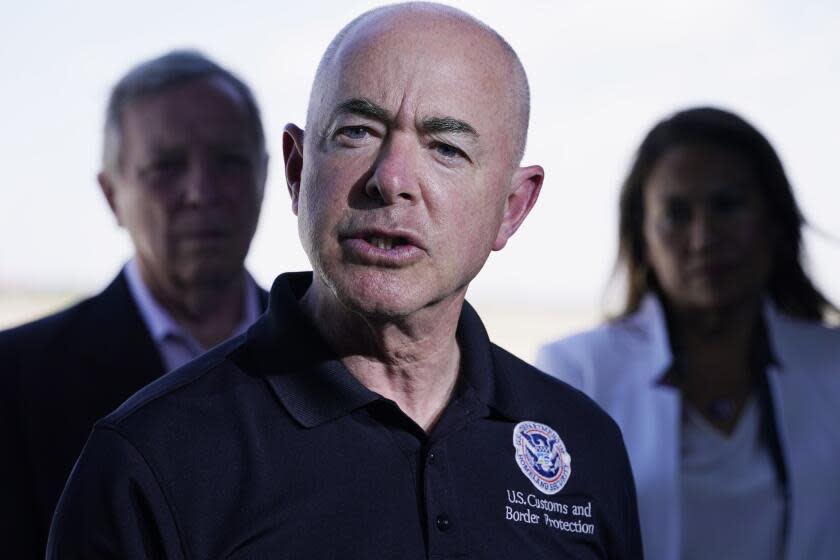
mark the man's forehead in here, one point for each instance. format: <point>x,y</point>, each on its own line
<point>429,75</point>
<point>209,94</point>
<point>164,123</point>
<point>422,37</point>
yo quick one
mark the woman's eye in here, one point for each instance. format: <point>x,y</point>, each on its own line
<point>727,204</point>
<point>677,213</point>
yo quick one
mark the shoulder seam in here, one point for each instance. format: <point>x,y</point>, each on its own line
<point>113,428</point>
<point>120,418</point>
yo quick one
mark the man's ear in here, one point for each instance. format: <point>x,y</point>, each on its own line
<point>106,185</point>
<point>293,158</point>
<point>524,189</point>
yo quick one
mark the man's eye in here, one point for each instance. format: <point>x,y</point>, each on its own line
<point>353,132</point>
<point>448,151</point>
<point>162,168</point>
<point>232,160</point>
<point>166,164</point>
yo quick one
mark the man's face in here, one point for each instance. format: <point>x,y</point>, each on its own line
<point>191,183</point>
<point>407,167</point>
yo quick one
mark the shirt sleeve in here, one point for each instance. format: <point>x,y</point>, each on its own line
<point>113,506</point>
<point>628,545</point>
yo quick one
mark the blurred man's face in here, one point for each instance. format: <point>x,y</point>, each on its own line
<point>191,183</point>
<point>407,165</point>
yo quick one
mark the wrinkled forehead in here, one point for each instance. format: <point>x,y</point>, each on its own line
<point>425,65</point>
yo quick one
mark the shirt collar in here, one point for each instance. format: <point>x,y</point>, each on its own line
<point>650,321</point>
<point>162,325</point>
<point>312,383</point>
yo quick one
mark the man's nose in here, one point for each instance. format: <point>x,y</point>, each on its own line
<point>395,177</point>
<point>201,184</point>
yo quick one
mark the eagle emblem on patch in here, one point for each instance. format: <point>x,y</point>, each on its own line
<point>542,456</point>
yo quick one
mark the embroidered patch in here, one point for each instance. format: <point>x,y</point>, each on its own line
<point>541,456</point>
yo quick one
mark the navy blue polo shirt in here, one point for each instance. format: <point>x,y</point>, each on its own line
<point>267,447</point>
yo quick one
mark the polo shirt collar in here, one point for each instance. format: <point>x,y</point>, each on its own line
<point>312,383</point>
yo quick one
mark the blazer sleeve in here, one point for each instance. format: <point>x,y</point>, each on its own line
<point>555,360</point>
<point>113,506</point>
<point>21,530</point>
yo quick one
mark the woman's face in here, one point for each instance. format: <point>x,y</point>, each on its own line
<point>707,231</point>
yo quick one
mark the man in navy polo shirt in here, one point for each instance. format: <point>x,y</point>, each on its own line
<point>367,415</point>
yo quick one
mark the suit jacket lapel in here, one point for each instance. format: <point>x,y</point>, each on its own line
<point>121,337</point>
<point>101,358</point>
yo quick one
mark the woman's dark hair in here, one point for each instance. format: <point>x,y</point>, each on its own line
<point>789,286</point>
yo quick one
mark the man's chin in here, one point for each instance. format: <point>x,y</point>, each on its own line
<point>378,308</point>
<point>209,276</point>
<point>377,298</point>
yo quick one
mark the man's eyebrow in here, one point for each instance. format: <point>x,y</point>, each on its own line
<point>448,124</point>
<point>363,107</point>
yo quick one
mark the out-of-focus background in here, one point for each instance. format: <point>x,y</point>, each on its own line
<point>601,73</point>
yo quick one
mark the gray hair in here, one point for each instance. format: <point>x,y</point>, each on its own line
<point>161,73</point>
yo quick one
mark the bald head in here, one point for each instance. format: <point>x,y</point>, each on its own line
<point>444,26</point>
<point>408,174</point>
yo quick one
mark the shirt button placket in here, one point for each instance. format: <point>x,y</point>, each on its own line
<point>442,522</point>
<point>445,536</point>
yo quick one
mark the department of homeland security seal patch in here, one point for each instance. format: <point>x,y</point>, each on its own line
<point>541,455</point>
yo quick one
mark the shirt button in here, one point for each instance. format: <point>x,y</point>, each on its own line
<point>442,522</point>
<point>432,458</point>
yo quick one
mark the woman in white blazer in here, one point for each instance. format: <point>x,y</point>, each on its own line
<point>720,369</point>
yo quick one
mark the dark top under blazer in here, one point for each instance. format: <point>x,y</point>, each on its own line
<point>59,375</point>
<point>267,447</point>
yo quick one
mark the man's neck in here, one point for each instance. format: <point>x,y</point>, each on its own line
<point>209,312</point>
<point>413,361</point>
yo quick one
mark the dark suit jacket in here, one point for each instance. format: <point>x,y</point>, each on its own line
<point>58,375</point>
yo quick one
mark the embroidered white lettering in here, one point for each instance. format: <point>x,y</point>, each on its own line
<point>569,526</point>
<point>516,497</point>
<point>547,505</point>
<point>521,516</point>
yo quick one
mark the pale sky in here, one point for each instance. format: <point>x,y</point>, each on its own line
<point>601,73</point>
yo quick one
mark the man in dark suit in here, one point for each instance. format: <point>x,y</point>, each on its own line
<point>184,170</point>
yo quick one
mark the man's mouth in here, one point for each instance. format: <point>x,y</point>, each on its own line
<point>391,249</point>
<point>386,243</point>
